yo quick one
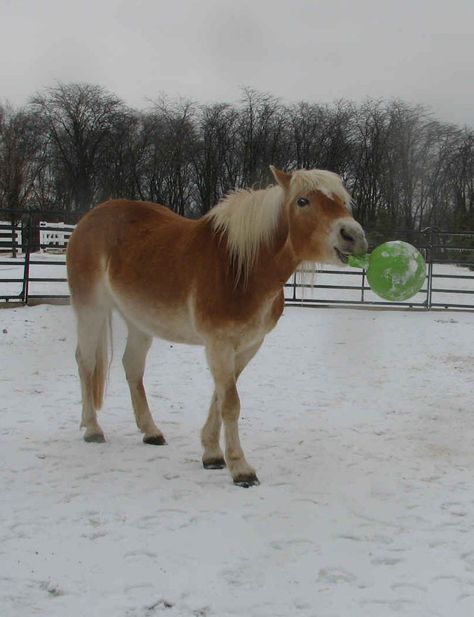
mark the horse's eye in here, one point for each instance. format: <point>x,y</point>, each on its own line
<point>302,201</point>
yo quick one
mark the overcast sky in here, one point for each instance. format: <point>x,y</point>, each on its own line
<point>206,50</point>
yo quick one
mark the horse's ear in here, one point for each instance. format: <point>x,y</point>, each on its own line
<point>282,177</point>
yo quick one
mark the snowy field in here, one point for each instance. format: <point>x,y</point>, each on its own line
<point>360,424</point>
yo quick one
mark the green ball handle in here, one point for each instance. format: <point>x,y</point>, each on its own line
<point>359,261</point>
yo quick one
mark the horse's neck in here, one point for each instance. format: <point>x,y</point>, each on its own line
<point>278,260</point>
<point>285,261</point>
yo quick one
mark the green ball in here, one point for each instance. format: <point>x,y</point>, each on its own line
<point>396,271</point>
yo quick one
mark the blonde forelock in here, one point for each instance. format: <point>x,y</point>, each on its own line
<point>329,183</point>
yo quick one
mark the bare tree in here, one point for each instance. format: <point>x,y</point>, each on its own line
<point>79,120</point>
<point>262,137</point>
<point>20,157</point>
<point>215,158</point>
<point>168,141</point>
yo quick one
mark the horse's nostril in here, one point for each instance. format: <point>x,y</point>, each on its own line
<point>346,235</point>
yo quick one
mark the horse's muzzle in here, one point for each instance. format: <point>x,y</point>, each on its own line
<point>350,238</point>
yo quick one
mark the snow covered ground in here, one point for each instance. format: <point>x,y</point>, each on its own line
<point>360,424</point>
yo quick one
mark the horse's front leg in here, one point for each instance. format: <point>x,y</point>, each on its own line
<point>213,457</point>
<point>222,362</point>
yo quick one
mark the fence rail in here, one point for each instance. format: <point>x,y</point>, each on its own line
<point>33,268</point>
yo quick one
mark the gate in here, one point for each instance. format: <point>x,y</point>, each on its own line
<point>32,256</point>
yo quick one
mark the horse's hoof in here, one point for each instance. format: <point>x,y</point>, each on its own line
<point>213,463</point>
<point>94,438</point>
<point>155,440</point>
<point>246,480</point>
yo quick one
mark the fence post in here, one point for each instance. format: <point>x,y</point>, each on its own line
<point>430,270</point>
<point>428,249</point>
<point>14,242</point>
<point>27,249</point>
<point>362,289</point>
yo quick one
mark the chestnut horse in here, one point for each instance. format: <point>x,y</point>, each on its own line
<point>217,281</point>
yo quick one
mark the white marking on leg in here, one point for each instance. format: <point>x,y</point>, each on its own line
<point>210,434</point>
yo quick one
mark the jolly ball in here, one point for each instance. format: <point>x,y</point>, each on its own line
<point>396,270</point>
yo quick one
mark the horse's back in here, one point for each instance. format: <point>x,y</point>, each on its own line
<point>125,242</point>
<point>111,223</point>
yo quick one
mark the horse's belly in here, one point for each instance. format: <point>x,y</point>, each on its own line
<point>173,324</point>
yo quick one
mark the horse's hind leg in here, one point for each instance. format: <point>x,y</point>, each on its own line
<point>138,344</point>
<point>91,357</point>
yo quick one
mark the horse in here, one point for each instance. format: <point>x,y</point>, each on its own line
<point>216,281</point>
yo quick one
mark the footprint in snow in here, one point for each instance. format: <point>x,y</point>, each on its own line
<point>335,575</point>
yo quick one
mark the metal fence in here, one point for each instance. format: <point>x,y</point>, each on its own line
<point>33,268</point>
<point>449,282</point>
<point>32,256</point>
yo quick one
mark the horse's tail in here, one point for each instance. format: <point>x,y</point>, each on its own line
<point>93,353</point>
<point>102,363</point>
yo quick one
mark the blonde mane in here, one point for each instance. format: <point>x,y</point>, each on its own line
<point>249,218</point>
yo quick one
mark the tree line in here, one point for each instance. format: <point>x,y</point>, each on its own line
<point>75,145</point>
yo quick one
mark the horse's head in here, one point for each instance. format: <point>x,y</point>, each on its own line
<point>321,226</point>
